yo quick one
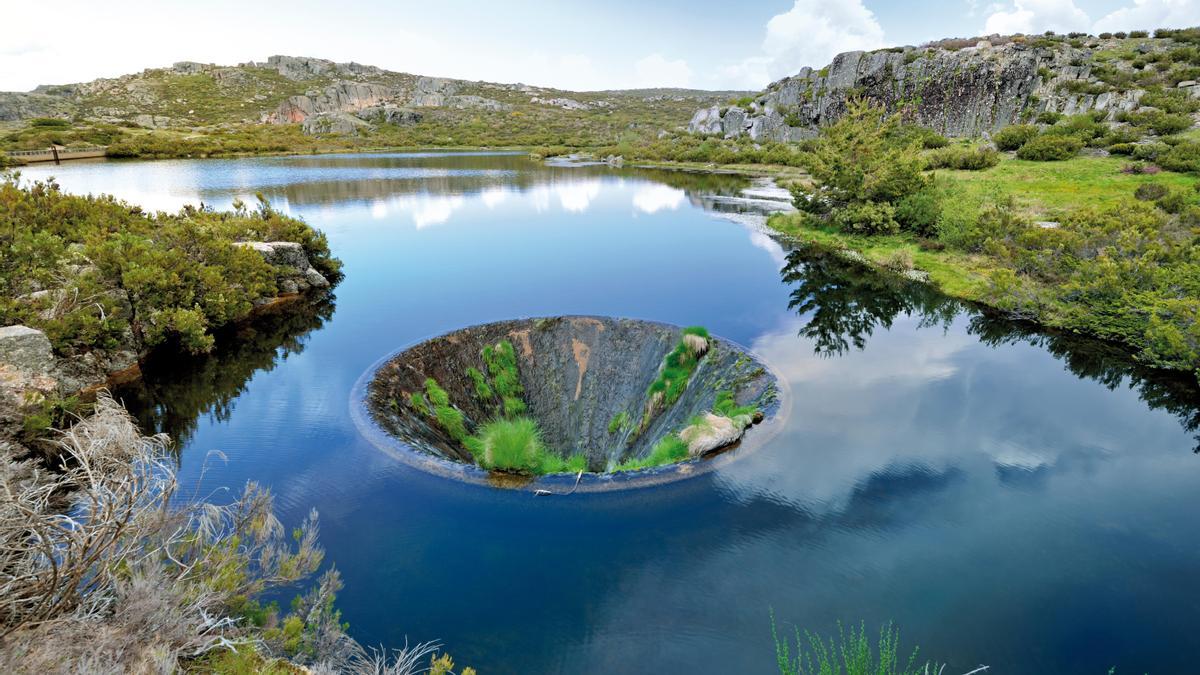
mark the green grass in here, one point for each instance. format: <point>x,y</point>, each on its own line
<point>676,370</point>
<point>619,422</point>
<point>727,406</point>
<point>448,417</point>
<point>669,450</point>
<point>483,390</point>
<point>1047,189</point>
<point>961,275</point>
<point>850,652</point>
<point>515,446</point>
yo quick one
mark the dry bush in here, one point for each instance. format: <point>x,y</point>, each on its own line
<point>100,571</point>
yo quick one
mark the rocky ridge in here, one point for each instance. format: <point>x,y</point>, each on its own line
<point>961,91</point>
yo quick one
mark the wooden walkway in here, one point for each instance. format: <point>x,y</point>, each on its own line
<point>58,154</point>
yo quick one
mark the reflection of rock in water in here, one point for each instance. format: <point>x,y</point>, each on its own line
<point>579,375</point>
<point>845,301</point>
<point>175,390</point>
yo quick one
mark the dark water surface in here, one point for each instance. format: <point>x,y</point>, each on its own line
<point>1006,497</point>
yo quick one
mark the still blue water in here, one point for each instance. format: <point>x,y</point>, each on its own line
<point>1006,497</point>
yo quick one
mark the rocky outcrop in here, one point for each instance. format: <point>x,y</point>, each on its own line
<point>294,272</point>
<point>347,107</point>
<point>338,98</point>
<point>962,92</point>
<point>333,123</point>
<point>713,432</point>
<point>389,114</point>
<point>26,376</point>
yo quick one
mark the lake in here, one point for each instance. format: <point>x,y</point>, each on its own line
<point>1006,496</point>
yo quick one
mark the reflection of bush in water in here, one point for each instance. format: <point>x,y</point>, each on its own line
<point>845,301</point>
<point>176,390</point>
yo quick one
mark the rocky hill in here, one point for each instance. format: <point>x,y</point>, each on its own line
<point>966,88</point>
<point>326,97</point>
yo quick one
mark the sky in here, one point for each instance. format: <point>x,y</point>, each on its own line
<point>568,44</point>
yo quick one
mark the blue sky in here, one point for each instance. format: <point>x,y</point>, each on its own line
<point>569,44</point>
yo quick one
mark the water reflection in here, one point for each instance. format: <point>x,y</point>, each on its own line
<point>844,302</point>
<point>176,392</point>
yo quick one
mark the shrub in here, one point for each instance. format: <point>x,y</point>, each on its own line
<point>962,158</point>
<point>166,278</point>
<point>1013,137</point>
<point>1149,192</point>
<point>1139,34</point>
<point>1149,152</point>
<point>1184,158</point>
<point>1122,148</point>
<point>1048,148</point>
<point>1172,101</point>
<point>1083,127</point>
<point>1175,201</point>
<point>867,218</point>
<point>919,211</point>
<point>900,260</point>
<point>1049,117</point>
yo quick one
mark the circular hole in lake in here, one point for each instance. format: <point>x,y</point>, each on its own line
<point>573,403</point>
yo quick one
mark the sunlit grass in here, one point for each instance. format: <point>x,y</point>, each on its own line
<point>515,445</point>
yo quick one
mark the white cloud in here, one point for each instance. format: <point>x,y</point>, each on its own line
<point>1149,14</point>
<point>1036,16</point>
<point>654,198</point>
<point>811,33</point>
<point>657,70</point>
<point>577,196</point>
<point>493,197</point>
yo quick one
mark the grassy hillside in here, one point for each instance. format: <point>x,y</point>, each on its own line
<point>204,110</point>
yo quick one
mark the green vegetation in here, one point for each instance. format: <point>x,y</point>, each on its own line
<point>619,422</point>
<point>726,406</point>
<point>850,652</point>
<point>1013,137</point>
<point>448,417</point>
<point>483,390</point>
<point>1112,266</point>
<point>97,273</point>
<point>1048,148</point>
<point>510,442</point>
<point>962,158</point>
<point>676,371</point>
<point>867,173</point>
<point>515,445</point>
<point>501,360</point>
<point>669,450</point>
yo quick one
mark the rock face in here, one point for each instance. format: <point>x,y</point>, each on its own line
<point>963,92</point>
<point>341,97</point>
<point>581,376</point>
<point>295,274</point>
<point>347,107</point>
<point>26,375</point>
